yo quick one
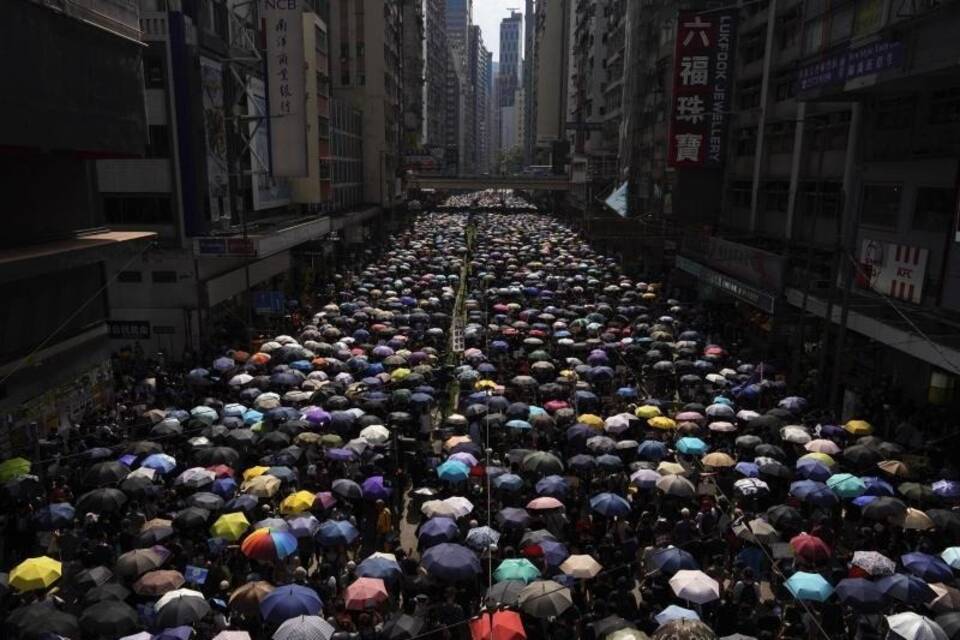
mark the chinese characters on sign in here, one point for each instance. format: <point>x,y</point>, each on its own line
<point>286,87</point>
<point>703,63</point>
<point>851,64</point>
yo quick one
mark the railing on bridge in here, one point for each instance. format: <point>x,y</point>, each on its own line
<point>477,183</point>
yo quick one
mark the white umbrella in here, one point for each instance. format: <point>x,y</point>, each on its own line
<point>375,434</point>
<point>913,626</point>
<point>617,424</point>
<point>695,586</point>
<point>176,594</point>
<point>581,566</point>
<point>751,486</point>
<point>241,379</point>
<point>143,472</point>
<point>796,434</point>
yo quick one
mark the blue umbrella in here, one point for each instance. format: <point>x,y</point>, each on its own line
<point>653,450</point>
<point>284,474</point>
<point>582,462</point>
<point>521,425</point>
<point>671,559</point>
<point>450,562</point>
<point>225,487</point>
<point>947,488</point>
<point>877,486</point>
<point>864,500</point>
<point>609,505</point>
<point>673,612</point>
<point>453,471</point>
<point>930,568</point>
<point>379,566</point>
<point>55,516</point>
<point>609,461</point>
<point>340,454</point>
<point>906,588</point>
<point>692,446</point>
<point>860,594</point>
<point>252,416</point>
<point>243,502</point>
<point>579,433</point>
<point>437,530</point>
<point>554,486</point>
<point>512,517</point>
<point>554,553</point>
<point>812,469</point>
<point>289,601</point>
<point>747,469</point>
<point>304,526</point>
<point>809,586</point>
<point>508,482</point>
<point>374,489</point>
<point>334,532</point>
<point>160,462</point>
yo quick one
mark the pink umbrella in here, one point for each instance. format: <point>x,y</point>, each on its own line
<point>365,593</point>
<point>544,503</point>
<point>688,416</point>
<point>326,499</point>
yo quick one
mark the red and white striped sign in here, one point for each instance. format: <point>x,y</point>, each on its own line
<point>895,270</point>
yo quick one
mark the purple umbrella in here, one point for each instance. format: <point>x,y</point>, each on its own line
<point>374,489</point>
<point>341,455</point>
<point>316,416</point>
<point>450,562</point>
<point>436,531</point>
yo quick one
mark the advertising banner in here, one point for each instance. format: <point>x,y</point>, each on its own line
<point>215,135</point>
<point>894,270</point>
<point>843,66</point>
<point>268,191</point>
<point>286,86</point>
<point>703,65</point>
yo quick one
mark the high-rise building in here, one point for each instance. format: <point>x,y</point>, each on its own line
<point>511,45</point>
<point>477,110</point>
<point>366,36</point>
<point>460,139</point>
<point>459,14</point>
<point>455,111</point>
<point>435,77</point>
<point>413,61</point>
<point>552,71</point>
<point>529,82</point>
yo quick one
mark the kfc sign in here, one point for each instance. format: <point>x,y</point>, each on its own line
<point>895,270</point>
<point>703,66</point>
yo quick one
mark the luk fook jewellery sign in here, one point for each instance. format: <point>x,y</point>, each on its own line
<point>703,66</point>
<point>286,87</point>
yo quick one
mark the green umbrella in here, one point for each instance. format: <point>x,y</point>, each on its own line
<point>13,468</point>
<point>846,485</point>
<point>519,569</point>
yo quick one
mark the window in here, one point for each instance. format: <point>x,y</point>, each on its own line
<point>750,95</point>
<point>934,209</point>
<point>147,209</point>
<point>159,144</point>
<point>895,114</point>
<point>130,276</point>
<point>780,137</point>
<point>752,46</point>
<point>945,106</point>
<point>784,88</point>
<point>164,277</point>
<point>776,195</point>
<point>746,141</point>
<point>880,205</point>
<point>153,72</point>
<point>820,199</point>
<point>789,31</point>
<point>741,193</point>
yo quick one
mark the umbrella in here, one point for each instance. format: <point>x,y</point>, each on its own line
<point>268,545</point>
<point>516,569</point>
<point>497,625</point>
<point>945,520</point>
<point>671,559</point>
<point>692,446</point>
<point>375,489</point>
<point>951,555</point>
<point>785,517</point>
<point>289,601</point>
<point>42,619</point>
<point>35,573</point>
<point>809,586</point>
<point>106,500</point>
<point>917,520</point>
<point>913,626</point>
<point>513,517</point>
<point>365,593</point>
<point>581,566</point>
<point>810,548</point>
<point>449,562</point>
<point>246,599</point>
<point>948,598</point>
<point>542,462</point>
<point>191,518</point>
<point>158,582</point>
<point>402,627</point>
<point>507,593</point>
<point>930,568</point>
<point>108,591</point>
<point>181,607</point>
<point>675,485</point>
<point>906,588</point>
<point>262,486</point>
<point>437,530</point>
<point>337,532</point>
<point>106,473</point>
<point>14,467</point>
<point>545,599</point>
<point>230,526</point>
<point>609,505</point>
<point>380,565</point>
<point>718,459</point>
<point>109,618</point>
<point>863,595</point>
<point>756,530</point>
<point>674,613</point>
<point>347,489</point>
<point>695,586</point>
<point>846,485</point>
<point>297,502</point>
<point>873,563</point>
<point>480,538</point>
<point>684,629</point>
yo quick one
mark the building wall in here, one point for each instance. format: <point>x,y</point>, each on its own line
<point>435,75</point>
<point>552,70</point>
<point>529,81</point>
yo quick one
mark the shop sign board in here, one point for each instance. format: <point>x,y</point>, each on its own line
<point>286,87</point>
<point>851,64</point>
<point>269,302</point>
<point>894,270</point>
<point>129,329</point>
<point>759,299</point>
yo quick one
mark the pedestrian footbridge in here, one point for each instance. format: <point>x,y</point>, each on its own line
<point>479,183</point>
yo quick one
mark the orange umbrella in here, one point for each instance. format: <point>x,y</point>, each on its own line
<point>502,625</point>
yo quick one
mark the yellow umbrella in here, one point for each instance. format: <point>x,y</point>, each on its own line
<point>859,427</point>
<point>35,573</point>
<point>662,422</point>
<point>718,459</point>
<point>230,526</point>
<point>308,437</point>
<point>400,374</point>
<point>667,468</point>
<point>819,457</point>
<point>485,384</point>
<point>455,440</point>
<point>253,472</point>
<point>262,486</point>
<point>647,411</point>
<point>297,502</point>
<point>591,420</point>
<point>13,468</point>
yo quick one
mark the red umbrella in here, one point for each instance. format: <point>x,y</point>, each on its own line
<point>810,548</point>
<point>222,471</point>
<point>365,593</point>
<point>506,625</point>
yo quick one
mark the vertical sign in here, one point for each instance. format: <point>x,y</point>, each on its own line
<point>286,87</point>
<point>215,134</point>
<point>703,64</point>
<point>268,191</point>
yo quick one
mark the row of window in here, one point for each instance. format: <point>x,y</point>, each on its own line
<point>157,277</point>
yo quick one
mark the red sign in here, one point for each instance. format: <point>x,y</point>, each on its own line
<point>703,65</point>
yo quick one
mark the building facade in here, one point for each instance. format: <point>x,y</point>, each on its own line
<point>435,78</point>
<point>529,82</point>
<point>551,76</point>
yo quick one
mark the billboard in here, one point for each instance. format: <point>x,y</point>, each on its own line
<point>215,136</point>
<point>703,65</point>
<point>894,270</point>
<point>268,191</point>
<point>843,66</point>
<point>286,86</point>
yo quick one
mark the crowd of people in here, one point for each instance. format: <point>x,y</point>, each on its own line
<point>489,431</point>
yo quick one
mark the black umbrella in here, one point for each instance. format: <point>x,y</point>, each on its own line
<point>94,577</point>
<point>402,627</point>
<point>769,451</point>
<point>785,517</point>
<point>108,591</point>
<point>153,536</point>
<point>137,562</point>
<point>23,488</point>
<point>776,469</point>
<point>139,486</point>
<point>184,609</point>
<point>144,448</point>
<point>862,455</point>
<point>104,474</point>
<point>217,455</point>
<point>506,592</point>
<point>36,620</point>
<point>347,489</point>
<point>110,619</point>
<point>101,501</point>
<point>885,509</point>
<point>192,518</point>
<point>950,623</point>
<point>206,500</point>
<point>946,520</point>
<point>608,625</point>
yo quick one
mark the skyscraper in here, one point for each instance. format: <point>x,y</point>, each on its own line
<point>511,47</point>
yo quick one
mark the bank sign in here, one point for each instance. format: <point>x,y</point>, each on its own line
<point>703,65</point>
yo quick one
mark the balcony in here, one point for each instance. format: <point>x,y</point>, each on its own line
<point>118,17</point>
